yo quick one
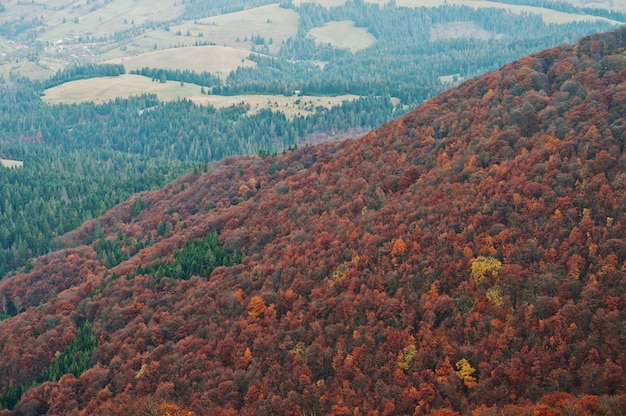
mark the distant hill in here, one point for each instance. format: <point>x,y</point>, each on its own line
<point>469,256</point>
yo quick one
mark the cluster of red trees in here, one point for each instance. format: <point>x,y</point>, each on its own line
<point>468,256</point>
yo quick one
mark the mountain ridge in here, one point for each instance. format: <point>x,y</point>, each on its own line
<point>467,256</point>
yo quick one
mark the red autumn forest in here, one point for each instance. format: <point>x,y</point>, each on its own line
<point>469,256</point>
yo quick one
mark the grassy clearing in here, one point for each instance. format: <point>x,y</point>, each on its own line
<point>65,17</point>
<point>236,29</point>
<point>13,10</point>
<point>27,69</point>
<point>343,35</point>
<point>101,19</point>
<point>290,106</point>
<point>108,88</point>
<point>43,69</point>
<point>214,59</point>
<point>233,29</point>
<point>453,79</point>
<point>11,163</point>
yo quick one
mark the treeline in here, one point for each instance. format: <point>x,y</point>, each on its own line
<point>559,6</point>
<point>197,9</point>
<point>280,76</point>
<point>609,14</point>
<point>84,72</point>
<point>205,79</point>
<point>283,76</point>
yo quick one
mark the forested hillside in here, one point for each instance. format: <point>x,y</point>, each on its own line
<point>82,159</point>
<point>390,66</point>
<point>468,256</point>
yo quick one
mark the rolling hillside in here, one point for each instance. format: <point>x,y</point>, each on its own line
<point>469,256</point>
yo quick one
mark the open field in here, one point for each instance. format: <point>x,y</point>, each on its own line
<point>76,18</point>
<point>108,88</point>
<point>290,106</point>
<point>214,59</point>
<point>343,35</point>
<point>172,49</point>
<point>233,29</point>
<point>11,163</point>
<point>451,79</point>
<point>27,69</point>
<point>14,9</point>
<point>269,22</point>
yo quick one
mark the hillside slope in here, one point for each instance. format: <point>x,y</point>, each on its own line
<point>470,255</point>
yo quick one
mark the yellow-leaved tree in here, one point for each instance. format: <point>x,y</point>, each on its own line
<point>406,356</point>
<point>494,295</point>
<point>464,373</point>
<point>483,266</point>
